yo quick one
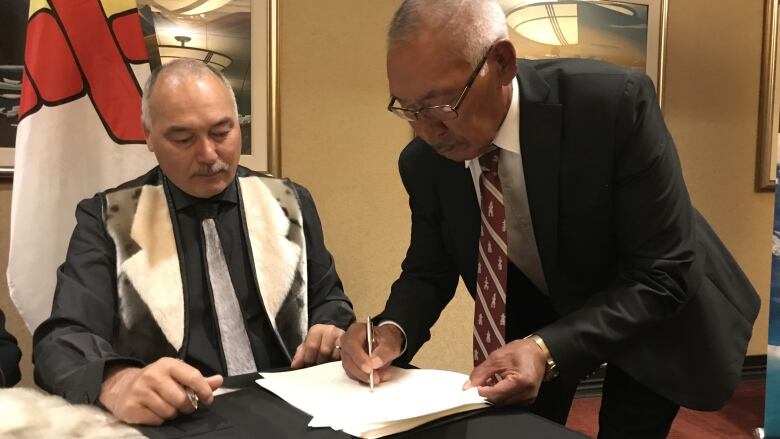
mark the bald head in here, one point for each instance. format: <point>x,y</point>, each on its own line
<point>468,27</point>
<point>181,69</point>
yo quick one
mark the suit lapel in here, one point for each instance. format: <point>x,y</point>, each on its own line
<point>540,146</point>
<point>462,212</point>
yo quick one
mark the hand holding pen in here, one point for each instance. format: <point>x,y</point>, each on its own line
<point>160,391</point>
<point>358,363</point>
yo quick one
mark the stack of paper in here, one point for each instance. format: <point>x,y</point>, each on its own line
<point>409,399</point>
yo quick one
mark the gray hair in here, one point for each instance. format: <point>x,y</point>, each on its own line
<point>474,25</point>
<point>180,67</point>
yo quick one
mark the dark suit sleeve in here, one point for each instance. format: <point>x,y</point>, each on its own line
<point>654,242</point>
<point>327,302</point>
<point>72,347</point>
<point>9,357</point>
<point>428,277</point>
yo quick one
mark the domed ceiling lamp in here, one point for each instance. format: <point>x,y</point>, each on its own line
<point>546,22</point>
<point>188,7</point>
<point>215,59</point>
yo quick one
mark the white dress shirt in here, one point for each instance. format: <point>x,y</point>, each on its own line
<point>521,242</point>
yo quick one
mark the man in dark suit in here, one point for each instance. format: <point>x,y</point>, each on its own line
<point>575,233</point>
<point>9,356</point>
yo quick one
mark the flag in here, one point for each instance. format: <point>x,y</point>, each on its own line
<point>79,132</point>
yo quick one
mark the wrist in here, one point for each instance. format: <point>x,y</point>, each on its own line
<point>114,378</point>
<point>551,367</point>
<point>398,334</point>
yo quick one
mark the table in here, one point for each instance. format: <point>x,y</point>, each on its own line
<point>255,412</point>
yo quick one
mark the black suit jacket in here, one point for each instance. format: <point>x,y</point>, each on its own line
<point>637,275</point>
<point>9,356</point>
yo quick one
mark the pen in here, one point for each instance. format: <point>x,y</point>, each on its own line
<point>193,397</point>
<point>370,337</point>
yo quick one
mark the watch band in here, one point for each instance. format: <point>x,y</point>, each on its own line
<point>552,367</point>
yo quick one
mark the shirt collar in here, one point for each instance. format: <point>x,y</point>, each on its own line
<point>508,135</point>
<point>183,200</point>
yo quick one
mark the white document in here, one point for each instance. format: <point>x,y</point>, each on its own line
<point>410,398</point>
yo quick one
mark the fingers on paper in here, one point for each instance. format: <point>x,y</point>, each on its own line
<point>512,389</point>
<point>482,375</point>
<point>320,346</point>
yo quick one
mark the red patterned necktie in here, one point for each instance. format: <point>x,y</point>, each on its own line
<point>490,301</point>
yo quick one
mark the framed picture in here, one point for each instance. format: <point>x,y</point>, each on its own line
<point>629,33</point>
<point>13,31</point>
<point>238,38</point>
<point>769,103</point>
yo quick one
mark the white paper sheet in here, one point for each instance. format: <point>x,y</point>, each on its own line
<point>334,400</point>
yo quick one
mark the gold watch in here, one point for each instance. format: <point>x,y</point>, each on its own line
<point>552,368</point>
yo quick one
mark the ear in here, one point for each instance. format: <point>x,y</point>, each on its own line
<point>505,56</point>
<point>146,139</point>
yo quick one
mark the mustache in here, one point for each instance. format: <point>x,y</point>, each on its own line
<point>445,146</point>
<point>210,169</point>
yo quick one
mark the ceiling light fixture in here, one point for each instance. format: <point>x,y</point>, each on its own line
<point>188,7</point>
<point>548,23</point>
<point>169,52</point>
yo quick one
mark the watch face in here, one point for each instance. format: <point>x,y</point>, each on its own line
<point>552,370</point>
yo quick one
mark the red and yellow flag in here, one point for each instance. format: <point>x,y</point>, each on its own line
<point>79,132</point>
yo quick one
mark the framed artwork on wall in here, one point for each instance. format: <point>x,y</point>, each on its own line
<point>769,103</point>
<point>629,33</point>
<point>239,38</point>
<point>13,31</point>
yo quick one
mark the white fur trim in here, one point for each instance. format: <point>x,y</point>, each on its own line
<point>276,257</point>
<point>154,271</point>
<point>28,413</point>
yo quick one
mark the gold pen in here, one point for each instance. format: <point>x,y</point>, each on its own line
<point>370,337</point>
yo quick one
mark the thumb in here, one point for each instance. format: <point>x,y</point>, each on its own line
<point>214,381</point>
<point>480,375</point>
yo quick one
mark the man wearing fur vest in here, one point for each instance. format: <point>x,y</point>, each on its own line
<point>198,269</point>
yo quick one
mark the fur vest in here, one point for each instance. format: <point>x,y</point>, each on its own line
<point>152,295</point>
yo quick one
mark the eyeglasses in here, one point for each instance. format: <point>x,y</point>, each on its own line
<point>437,112</point>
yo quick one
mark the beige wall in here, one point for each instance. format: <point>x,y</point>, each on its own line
<point>711,107</point>
<point>340,142</point>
